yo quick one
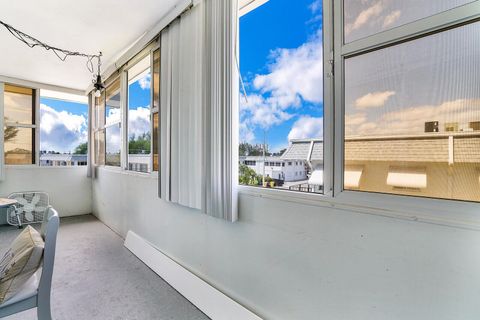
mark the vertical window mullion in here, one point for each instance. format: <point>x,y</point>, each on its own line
<point>328,99</point>
<point>338,97</point>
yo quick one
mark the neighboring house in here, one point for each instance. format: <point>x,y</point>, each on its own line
<point>276,167</point>
<point>55,160</point>
<point>431,164</point>
<point>441,165</point>
<point>309,151</point>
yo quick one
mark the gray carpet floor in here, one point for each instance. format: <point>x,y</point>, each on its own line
<point>96,277</point>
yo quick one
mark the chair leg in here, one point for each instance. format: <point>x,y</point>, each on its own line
<point>43,310</point>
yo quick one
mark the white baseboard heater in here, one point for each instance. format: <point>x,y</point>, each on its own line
<point>209,300</point>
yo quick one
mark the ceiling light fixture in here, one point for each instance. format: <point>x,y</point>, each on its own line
<point>97,79</point>
<point>62,54</point>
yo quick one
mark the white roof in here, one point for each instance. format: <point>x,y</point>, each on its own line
<point>63,157</point>
<point>316,178</point>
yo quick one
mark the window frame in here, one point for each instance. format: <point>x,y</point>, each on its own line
<point>35,126</point>
<point>104,127</point>
<point>37,87</point>
<point>458,213</point>
<point>328,117</point>
<point>122,74</point>
<point>443,211</point>
<point>140,56</point>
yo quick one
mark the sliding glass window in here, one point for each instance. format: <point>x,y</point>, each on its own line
<point>139,116</point>
<point>19,125</point>
<point>63,129</point>
<point>156,107</point>
<point>412,108</point>
<point>113,119</point>
<point>98,126</point>
<point>367,17</point>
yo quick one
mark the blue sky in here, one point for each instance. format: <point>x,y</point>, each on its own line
<point>280,63</point>
<point>63,125</point>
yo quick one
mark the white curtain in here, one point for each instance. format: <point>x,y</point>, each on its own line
<point>181,105</point>
<point>221,112</point>
<point>199,109</point>
<point>90,146</point>
<point>2,142</point>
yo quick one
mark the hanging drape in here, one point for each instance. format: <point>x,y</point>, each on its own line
<point>221,109</point>
<point>90,147</point>
<point>199,109</point>
<point>181,105</point>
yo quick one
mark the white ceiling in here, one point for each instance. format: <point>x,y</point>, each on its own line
<point>87,26</point>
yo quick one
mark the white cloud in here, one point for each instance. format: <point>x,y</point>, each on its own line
<point>373,100</point>
<point>295,74</point>
<point>138,121</point>
<point>262,112</point>
<point>61,131</point>
<point>145,81</point>
<point>412,120</point>
<point>246,132</point>
<point>307,127</point>
<point>365,16</point>
<point>391,18</point>
<point>315,6</point>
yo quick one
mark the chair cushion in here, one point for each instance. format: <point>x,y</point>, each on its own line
<point>20,262</point>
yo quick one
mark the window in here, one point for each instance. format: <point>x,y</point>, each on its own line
<point>139,116</point>
<point>156,107</point>
<point>19,125</point>
<point>99,130</point>
<point>365,18</point>
<point>113,140</point>
<point>63,128</point>
<point>281,106</point>
<point>411,110</point>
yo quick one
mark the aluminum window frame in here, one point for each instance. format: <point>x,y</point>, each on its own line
<point>118,122</point>
<point>132,63</point>
<point>442,211</point>
<point>328,118</point>
<point>35,125</point>
<point>155,110</point>
<point>37,86</point>
<point>457,213</point>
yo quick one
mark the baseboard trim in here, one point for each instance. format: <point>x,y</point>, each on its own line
<point>209,300</point>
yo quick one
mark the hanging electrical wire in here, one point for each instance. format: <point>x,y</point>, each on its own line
<point>61,54</point>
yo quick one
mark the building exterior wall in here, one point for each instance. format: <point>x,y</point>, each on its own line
<point>459,181</point>
<point>287,171</point>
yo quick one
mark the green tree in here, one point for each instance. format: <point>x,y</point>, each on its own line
<point>81,148</point>
<point>10,133</point>
<point>247,149</point>
<point>140,144</point>
<point>279,153</point>
<point>248,176</point>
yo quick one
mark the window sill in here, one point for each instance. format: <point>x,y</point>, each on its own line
<point>150,175</point>
<point>459,214</point>
<point>37,167</point>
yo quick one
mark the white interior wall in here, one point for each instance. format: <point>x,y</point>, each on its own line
<point>286,260</point>
<point>69,188</point>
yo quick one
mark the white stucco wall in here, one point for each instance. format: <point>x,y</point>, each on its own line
<point>69,188</point>
<point>286,260</point>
